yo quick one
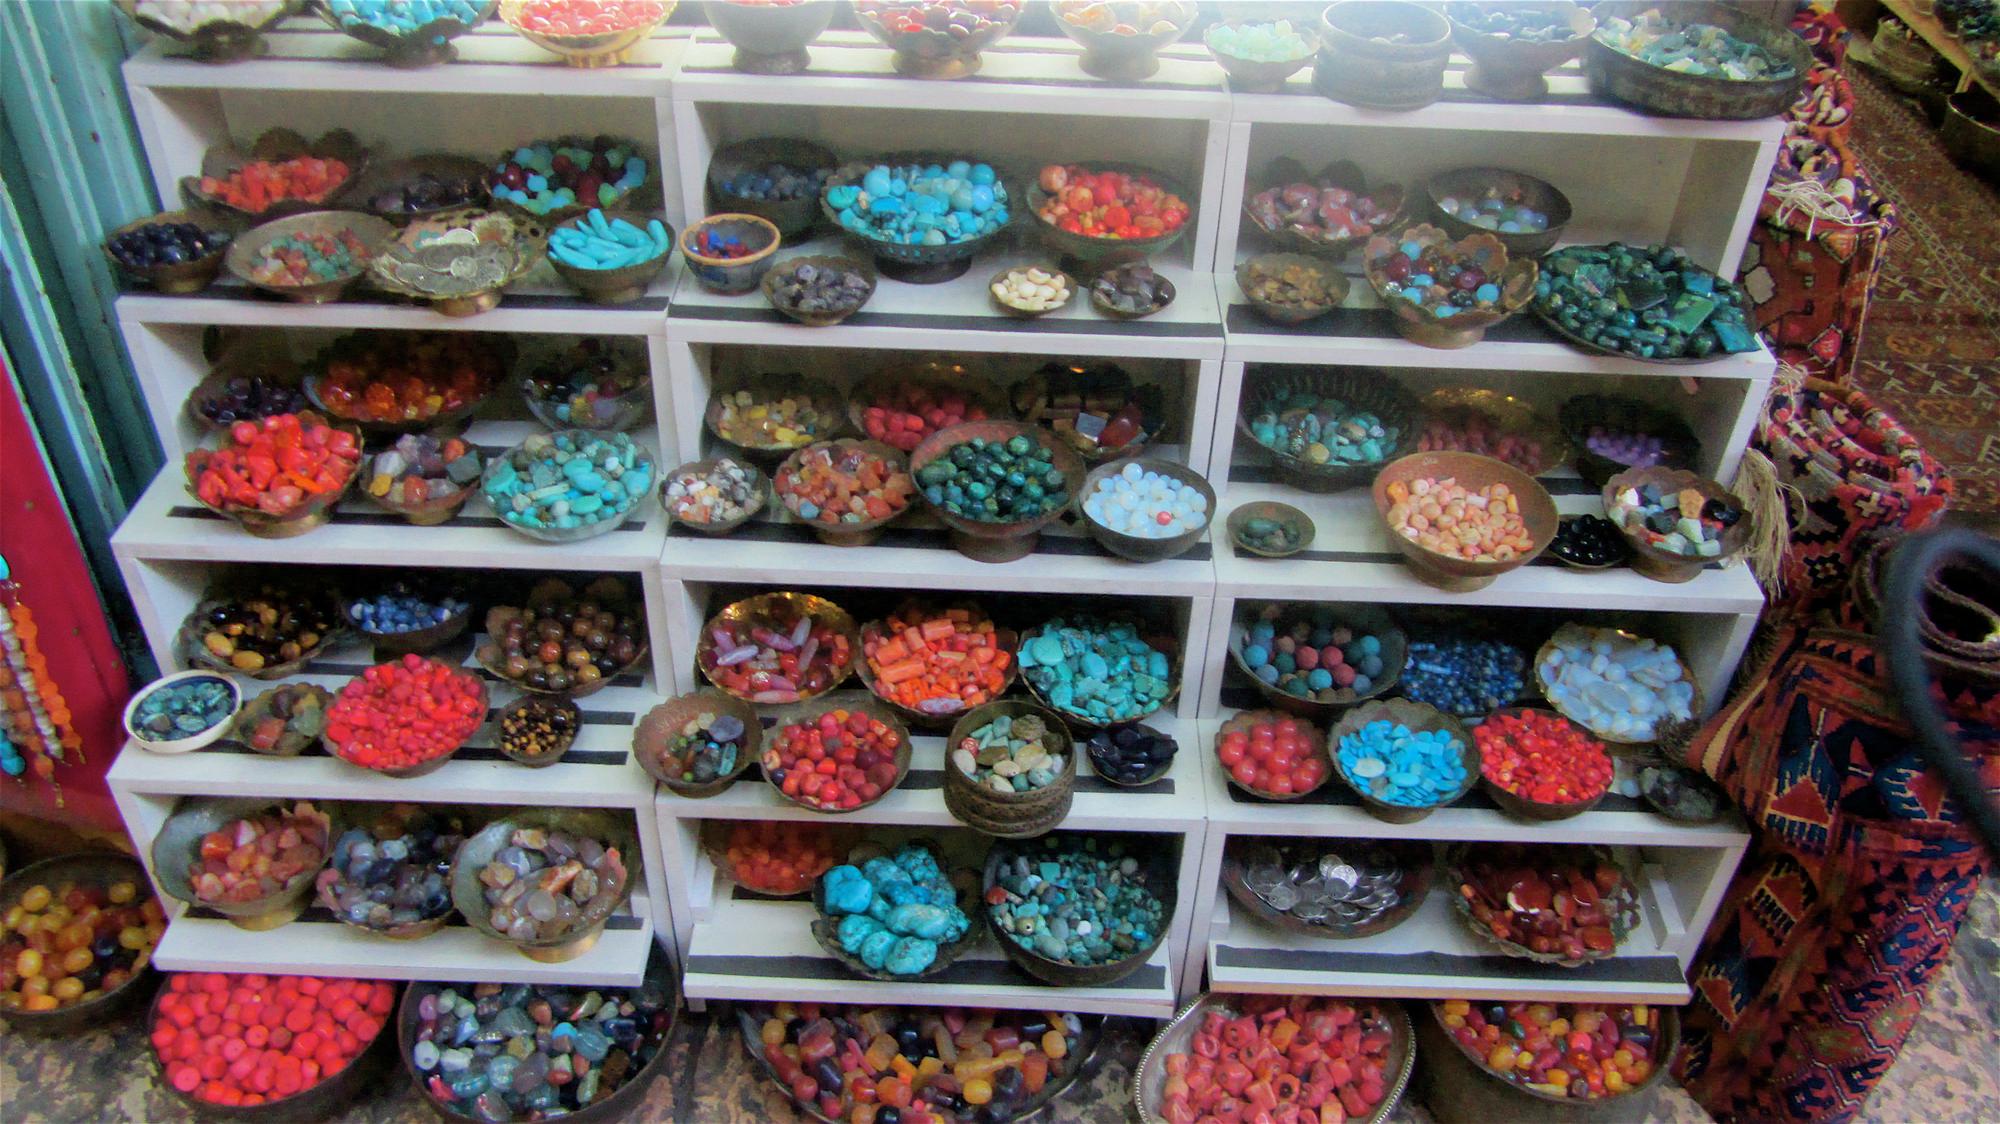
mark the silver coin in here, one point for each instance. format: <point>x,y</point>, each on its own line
<point>1341,879</point>
<point>1263,877</point>
<point>1347,912</point>
<point>1310,911</point>
<point>1281,897</point>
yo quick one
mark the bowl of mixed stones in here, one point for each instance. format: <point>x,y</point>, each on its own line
<point>539,885</point>
<point>568,486</point>
<point>403,618</point>
<point>1526,214</point>
<point>714,496</point>
<point>1513,45</point>
<point>182,713</point>
<point>1675,521</point>
<point>1097,671</point>
<point>699,743</point>
<point>1012,753</point>
<point>1131,755</point>
<point>599,383</point>
<point>818,290</point>
<point>423,478</point>
<point>1446,292</point>
<point>1651,303</point>
<point>1327,430</point>
<point>1312,661</point>
<point>773,415</point>
<point>1291,288</point>
<point>893,916</point>
<point>284,721</point>
<point>1697,60</point>
<point>1335,888</point>
<point>1128,292</point>
<point>1073,910</point>
<point>389,874</point>
<point>537,730</point>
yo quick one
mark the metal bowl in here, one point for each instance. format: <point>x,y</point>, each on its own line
<point>1363,389</point>
<point>96,869</point>
<point>313,511</point>
<point>1335,281</point>
<point>468,895</point>
<point>1422,325</point>
<point>324,1100</point>
<point>1473,472</point>
<point>1704,801</point>
<point>216,40</point>
<point>1511,416</point>
<point>426,639</point>
<point>827,403</point>
<point>1089,748</point>
<point>825,929</point>
<point>1591,347</point>
<point>610,593</point>
<point>809,711</point>
<point>1669,93</point>
<point>1133,547</point>
<point>1156,874</point>
<point>1155,638</point>
<point>843,533</point>
<point>1059,392</point>
<point>1509,69</point>
<point>621,285</point>
<point>944,710</point>
<point>1296,522</point>
<point>555,704</point>
<point>1626,915</point>
<point>914,264</point>
<point>1526,808</point>
<point>794,218</point>
<point>193,741</point>
<point>1583,413</point>
<point>291,743</point>
<point>1364,619</point>
<point>834,838</point>
<point>1284,172</point>
<point>366,817</point>
<point>429,512</point>
<point>517,456</point>
<point>659,725</point>
<point>1421,718</point>
<point>1464,183</point>
<point>1541,671</point>
<point>1413,856</point>
<point>1257,76</point>
<point>938,376</point>
<point>770,39</point>
<point>995,542</point>
<point>1663,565</point>
<point>1069,288</point>
<point>430,764</point>
<point>822,318</point>
<point>179,843</point>
<point>547,373</point>
<point>424,46</point>
<point>587,51</point>
<point>392,176</point>
<point>171,277</point>
<point>1093,254</point>
<point>731,276</point>
<point>935,54</point>
<point>1149,1080</point>
<point>1128,55</point>
<point>760,494</point>
<point>278,145</point>
<point>459,261</point>
<point>780,612</point>
<point>640,197</point>
<point>1244,720</point>
<point>1382,55</point>
<point>373,233</point>
<point>1163,293</point>
<point>1458,1086</point>
<point>252,360</point>
<point>188,641</point>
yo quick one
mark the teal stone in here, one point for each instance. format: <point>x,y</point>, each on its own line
<point>585,504</point>
<point>592,1044</point>
<point>468,1084</point>
<point>500,1070</point>
<point>1048,651</point>
<point>511,1022</point>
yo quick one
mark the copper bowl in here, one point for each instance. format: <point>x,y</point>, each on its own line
<point>1364,390</point>
<point>827,403</point>
<point>820,318</point>
<point>171,277</point>
<point>836,837</point>
<point>218,40</point>
<point>1413,856</point>
<point>1297,522</point>
<point>519,456</point>
<point>424,46</point>
<point>610,593</point>
<point>1626,913</point>
<point>1124,56</point>
<point>1526,808</point>
<point>311,512</point>
<point>1664,565</point>
<point>252,361</point>
<point>277,145</point>
<point>1511,416</point>
<point>1419,324</point>
<point>372,232</point>
<point>1420,718</point>
<point>1093,253</point>
<point>809,711</point>
<point>794,218</point>
<point>1473,472</point>
<point>1363,619</point>
<point>859,533</point>
<point>96,869</point>
<point>639,197</point>
<point>468,894</point>
<point>1244,720</point>
<point>291,743</point>
<point>381,179</point>
<point>779,612</point>
<point>937,376</point>
<point>429,638</point>
<point>545,703</point>
<point>324,1100</point>
<point>1580,415</point>
<point>588,51</point>
<point>1154,638</point>
<point>996,542</point>
<point>1156,874</point>
<point>660,724</point>
<point>430,764</point>
<point>179,843</point>
<point>366,818</point>
<point>944,710</point>
<point>1335,281</point>
<point>458,262</point>
<point>935,54</point>
<point>761,492</point>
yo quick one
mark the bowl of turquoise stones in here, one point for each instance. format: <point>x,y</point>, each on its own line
<point>923,215</point>
<point>898,914</point>
<point>1404,759</point>
<point>964,471</point>
<point>1526,214</point>
<point>1678,58</point>
<point>1513,45</point>
<point>1099,671</point>
<point>568,486</point>
<point>1327,429</point>
<point>408,34</point>
<point>610,257</point>
<point>182,712</point>
<point>1446,292</point>
<point>1651,303</point>
<point>1075,910</point>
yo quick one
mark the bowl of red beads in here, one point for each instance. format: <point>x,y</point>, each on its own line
<point>1446,293</point>
<point>845,490</point>
<point>1273,755</point>
<point>589,34</point>
<point>730,254</point>
<point>405,718</point>
<point>1538,765</point>
<point>1106,213</point>
<point>1367,1053</point>
<point>75,942</point>
<point>1468,419</point>
<point>938,38</point>
<point>276,477</point>
<point>775,858</point>
<point>387,383</point>
<point>836,754</point>
<point>1493,1059</point>
<point>280,174</point>
<point>1550,903</point>
<point>250,859</point>
<point>779,648</point>
<point>901,405</point>
<point>286,1048</point>
<point>310,258</point>
<point>1327,214</point>
<point>564,640</point>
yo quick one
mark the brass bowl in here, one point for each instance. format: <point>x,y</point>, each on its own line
<point>421,640</point>
<point>587,51</point>
<point>459,261</point>
<point>1580,415</point>
<point>430,764</point>
<point>1420,718</point>
<point>760,495</point>
<point>249,361</point>
<point>277,144</point>
<point>610,593</point>
<point>1156,875</point>
<point>1515,278</point>
<point>642,462</point>
<point>938,376</point>
<point>1360,618</point>
<point>1163,295</point>
<point>1471,183</point>
<point>1315,740</point>
<point>372,232</point>
<point>660,724</point>
<point>1626,914</point>
<point>794,218</point>
<point>1335,281</point>
<point>428,512</point>
<point>1298,522</point>
<point>85,868</point>
<point>1149,1080</point>
<point>843,533</point>
<point>179,843</point>
<point>468,895</point>
<point>492,353</point>
<point>915,263</point>
<point>779,612</point>
<point>825,929</point>
<point>1257,76</point>
<point>641,196</point>
<point>217,40</point>
<point>1696,705</point>
<point>623,284</point>
<point>826,402</point>
<point>1284,172</point>
<point>1460,1086</point>
<point>424,46</point>
<point>1513,417</point>
<point>1128,56</point>
<point>1473,472</point>
<point>823,318</point>
<point>1059,392</point>
<point>311,512</point>
<point>996,542</point>
<point>556,704</point>
<point>171,277</point>
<point>807,712</point>
<point>392,176</point>
<point>188,641</point>
<point>1413,856</point>
<point>1133,547</point>
<point>1509,69</point>
<point>366,817</point>
<point>941,710</point>
<point>935,54</point>
<point>770,39</point>
<point>1664,565</point>
<point>1068,283</point>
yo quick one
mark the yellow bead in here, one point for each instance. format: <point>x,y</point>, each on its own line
<point>121,892</point>
<point>67,989</point>
<point>1502,1057</point>
<point>36,899</point>
<point>977,1091</point>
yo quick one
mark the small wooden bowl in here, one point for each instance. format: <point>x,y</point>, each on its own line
<point>1473,472</point>
<point>1421,718</point>
<point>825,930</point>
<point>290,743</point>
<point>825,318</point>
<point>780,611</point>
<point>171,277</point>
<point>660,724</point>
<point>84,868</point>
<point>731,276</point>
<point>1131,55</point>
<point>1664,565</point>
<point>1521,807</point>
<point>1244,720</point>
<point>1020,815</point>
<point>1155,873</point>
<point>1163,295</point>
<point>847,534</point>
<point>373,233</point>
<point>761,493</point>
<point>419,640</point>
<point>429,765</point>
<point>332,876</point>
<point>468,895</point>
<point>537,703</point>
<point>179,843</point>
<point>1366,619</point>
<point>425,513</point>
<point>1132,547</point>
<point>996,542</point>
<point>809,711</point>
<point>1015,310</point>
<point>771,39</point>
<point>1285,514</point>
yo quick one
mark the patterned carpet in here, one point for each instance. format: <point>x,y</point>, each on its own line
<point>1930,347</point>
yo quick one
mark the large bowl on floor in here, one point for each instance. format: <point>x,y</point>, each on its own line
<point>793,217</point>
<point>1133,547</point>
<point>1364,619</point>
<point>325,1100</point>
<point>1421,718</point>
<point>1149,1079</point>
<point>1412,855</point>
<point>914,263</point>
<point>469,897</point>
<point>97,869</point>
<point>825,929</point>
<point>606,48</point>
<point>1473,472</point>
<point>1455,1086</point>
<point>1362,389</point>
<point>1971,130</point>
<point>215,40</point>
<point>1670,93</point>
<point>996,542</point>
<point>1156,874</point>
<point>1509,69</point>
<point>179,844</point>
<point>770,39</point>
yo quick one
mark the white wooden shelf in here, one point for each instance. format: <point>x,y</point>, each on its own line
<point>526,307</point>
<point>757,948</point>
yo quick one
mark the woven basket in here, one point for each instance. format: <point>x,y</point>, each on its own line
<point>1023,815</point>
<point>1158,878</point>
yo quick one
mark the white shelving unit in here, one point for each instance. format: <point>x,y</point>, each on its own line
<point>1631,177</point>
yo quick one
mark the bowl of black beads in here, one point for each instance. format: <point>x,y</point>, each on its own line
<point>1131,755</point>
<point>223,399</point>
<point>1589,542</point>
<point>390,874</point>
<point>170,251</point>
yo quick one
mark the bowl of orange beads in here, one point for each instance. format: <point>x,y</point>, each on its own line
<point>76,940</point>
<point>1462,520</point>
<point>934,662</point>
<point>778,859</point>
<point>389,383</point>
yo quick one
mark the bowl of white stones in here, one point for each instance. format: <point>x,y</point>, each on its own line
<point>1145,509</point>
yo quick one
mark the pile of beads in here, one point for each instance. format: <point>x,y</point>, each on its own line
<point>547,884</point>
<point>1686,522</point>
<point>1317,430</point>
<point>1570,902</point>
<point>1146,504</point>
<point>427,191</point>
<point>1650,301</point>
<point>394,377</point>
<point>1064,900</point>
<point>568,480</point>
<point>1328,1060</point>
<point>721,494</point>
<point>1462,676</point>
<point>1444,517</point>
<point>394,871</point>
<point>1276,755</point>
<point>287,719</point>
<point>274,465</point>
<point>1288,285</point>
<point>816,289</point>
<point>251,859</point>
<point>894,911</point>
<point>420,468</point>
<point>1271,535</point>
<point>911,411</point>
<point>1313,657</point>
<point>34,720</point>
<point>250,398</point>
<point>913,205</point>
<point>776,182</point>
<point>1588,540</point>
<point>183,709</point>
<point>1132,290</point>
<point>1338,883</point>
<point>1259,42</point>
<point>707,746</point>
<point>403,17</point>
<point>836,762</point>
<point>540,727</point>
<point>1130,753</point>
<point>777,663</point>
<point>400,609</point>
<point>1581,1051</point>
<point>1700,49</point>
<point>1407,768</point>
<point>1325,213</point>
<point>589,386</point>
<point>1617,686</point>
<point>165,243</point>
<point>569,643</point>
<point>1126,17</point>
<point>596,243</point>
<point>1522,23</point>
<point>261,184</point>
<point>937,663</point>
<point>1467,430</point>
<point>404,713</point>
<point>526,1051</point>
<point>839,483</point>
<point>715,242</point>
<point>785,421</point>
<point>567,18</point>
<point>1440,278</point>
<point>1507,212</point>
<point>242,1041</point>
<point>71,943</point>
<point>266,627</point>
<point>901,1065</point>
<point>541,178</point>
<point>308,258</point>
<point>1109,204</point>
<point>1101,671</point>
<point>1009,481</point>
<point>1033,289</point>
<point>958,19</point>
<point>777,857</point>
<point>190,15</point>
<point>1008,755</point>
<point>1542,757</point>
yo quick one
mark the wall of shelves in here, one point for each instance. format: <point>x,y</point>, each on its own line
<point>1632,177</point>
